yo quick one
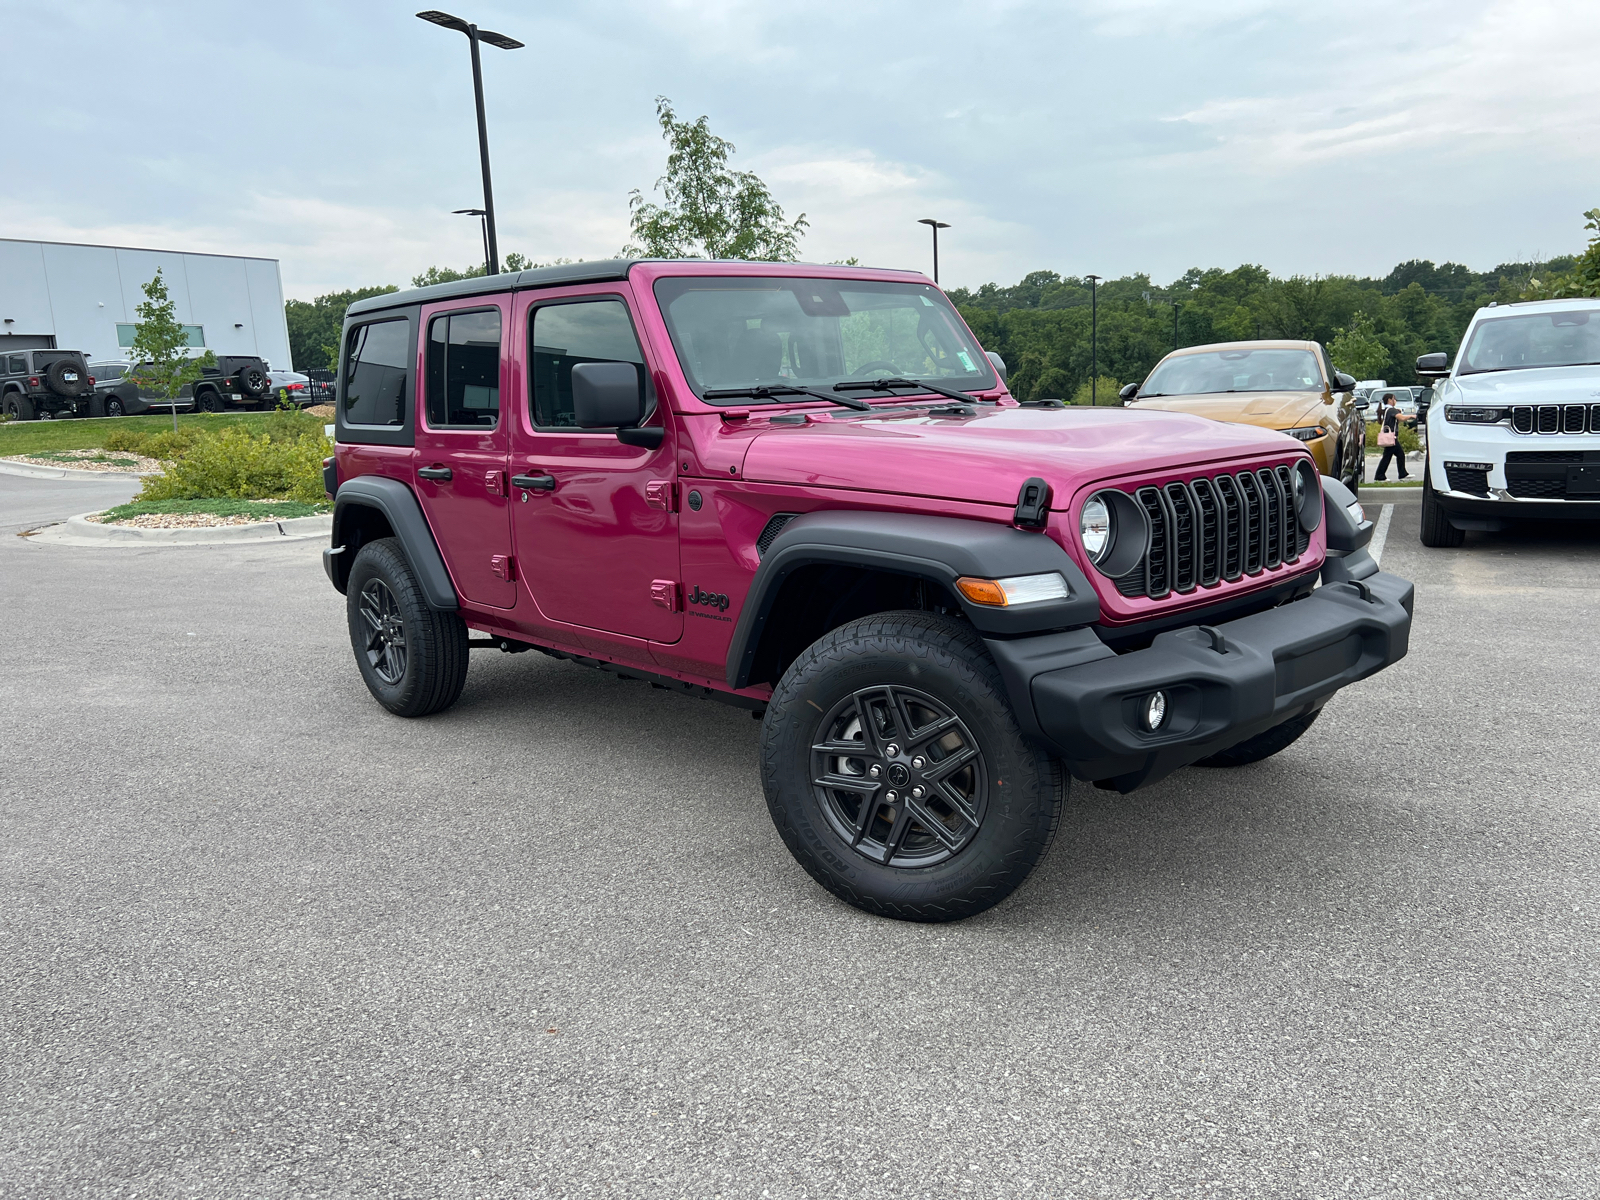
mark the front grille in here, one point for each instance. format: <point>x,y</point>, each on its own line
<point>1464,479</point>
<point>1213,529</point>
<point>1555,418</point>
<point>1544,456</point>
<point>1537,489</point>
<point>1549,474</point>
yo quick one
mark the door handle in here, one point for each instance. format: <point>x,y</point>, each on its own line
<point>539,483</point>
<point>442,474</point>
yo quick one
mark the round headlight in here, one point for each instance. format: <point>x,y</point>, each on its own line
<point>1307,495</point>
<point>1094,523</point>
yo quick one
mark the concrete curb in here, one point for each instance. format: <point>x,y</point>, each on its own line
<point>34,471</point>
<point>78,531</point>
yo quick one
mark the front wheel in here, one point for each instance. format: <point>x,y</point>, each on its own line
<point>896,773</point>
<point>1436,528</point>
<point>412,657</point>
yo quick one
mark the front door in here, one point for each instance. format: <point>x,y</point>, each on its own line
<point>462,444</point>
<point>594,522</point>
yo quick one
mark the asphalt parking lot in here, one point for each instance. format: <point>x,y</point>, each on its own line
<point>260,939</point>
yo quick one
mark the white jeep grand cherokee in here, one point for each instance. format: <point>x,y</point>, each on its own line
<point>1514,427</point>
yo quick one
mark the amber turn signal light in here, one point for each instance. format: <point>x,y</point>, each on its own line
<point>1016,589</point>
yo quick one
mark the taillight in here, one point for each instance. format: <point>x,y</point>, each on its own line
<point>295,387</point>
<point>33,381</point>
<point>91,381</point>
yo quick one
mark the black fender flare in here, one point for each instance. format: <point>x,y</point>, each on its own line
<point>398,504</point>
<point>940,549</point>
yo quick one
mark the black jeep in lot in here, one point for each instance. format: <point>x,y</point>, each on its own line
<point>237,381</point>
<point>44,383</point>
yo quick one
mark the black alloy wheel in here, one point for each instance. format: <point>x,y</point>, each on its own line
<point>19,408</point>
<point>413,658</point>
<point>897,775</point>
<point>900,776</point>
<point>114,407</point>
<point>209,401</point>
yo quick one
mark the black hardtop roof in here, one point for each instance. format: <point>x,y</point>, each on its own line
<point>600,271</point>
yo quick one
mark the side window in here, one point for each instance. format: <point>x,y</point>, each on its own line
<point>565,335</point>
<point>17,364</point>
<point>376,373</point>
<point>463,365</point>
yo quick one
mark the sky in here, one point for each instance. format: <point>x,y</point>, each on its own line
<point>1105,136</point>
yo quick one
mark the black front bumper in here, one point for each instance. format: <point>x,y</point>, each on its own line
<point>1491,516</point>
<point>1224,683</point>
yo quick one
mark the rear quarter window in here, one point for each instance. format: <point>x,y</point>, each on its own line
<point>377,373</point>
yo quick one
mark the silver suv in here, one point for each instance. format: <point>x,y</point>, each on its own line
<point>117,393</point>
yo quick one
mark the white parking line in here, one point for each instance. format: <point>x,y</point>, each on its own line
<point>1380,535</point>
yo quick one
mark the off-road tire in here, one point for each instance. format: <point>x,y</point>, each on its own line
<point>54,379</point>
<point>19,407</point>
<point>1019,793</point>
<point>209,401</point>
<point>1436,528</point>
<point>434,643</point>
<point>253,382</point>
<point>1263,745</point>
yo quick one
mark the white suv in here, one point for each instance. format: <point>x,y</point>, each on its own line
<point>1514,426</point>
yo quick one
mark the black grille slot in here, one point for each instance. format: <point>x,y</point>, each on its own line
<point>1232,527</point>
<point>1544,456</point>
<point>1522,419</point>
<point>770,534</point>
<point>1272,507</point>
<point>1594,418</point>
<point>1532,489</point>
<point>1157,563</point>
<point>1549,419</point>
<point>1572,418</point>
<point>1254,525</point>
<point>1296,540</point>
<point>1464,479</point>
<point>1208,526</point>
<point>1180,507</point>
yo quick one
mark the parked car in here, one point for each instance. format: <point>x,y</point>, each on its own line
<point>237,381</point>
<point>290,385</point>
<point>1284,385</point>
<point>118,394</point>
<point>1514,426</point>
<point>44,383</point>
<point>805,491</point>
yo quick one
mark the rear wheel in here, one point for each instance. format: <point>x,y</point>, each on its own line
<point>114,407</point>
<point>19,407</point>
<point>896,773</point>
<point>1436,528</point>
<point>209,401</point>
<point>412,657</point>
<point>1263,745</point>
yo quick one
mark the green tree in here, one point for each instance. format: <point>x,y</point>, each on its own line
<point>1357,350</point>
<point>315,327</point>
<point>514,262</point>
<point>710,210</point>
<point>160,347</point>
<point>1103,393</point>
<point>1582,279</point>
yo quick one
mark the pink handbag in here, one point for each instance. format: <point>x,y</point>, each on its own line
<point>1386,437</point>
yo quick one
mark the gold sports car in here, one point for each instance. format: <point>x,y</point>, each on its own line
<point>1288,386</point>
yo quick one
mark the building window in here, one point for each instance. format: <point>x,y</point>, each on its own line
<point>196,335</point>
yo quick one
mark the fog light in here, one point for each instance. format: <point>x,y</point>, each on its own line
<point>1155,711</point>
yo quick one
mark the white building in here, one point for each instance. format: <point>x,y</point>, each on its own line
<point>65,296</point>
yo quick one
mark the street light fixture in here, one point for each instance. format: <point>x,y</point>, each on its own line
<point>501,41</point>
<point>481,215</point>
<point>1094,342</point>
<point>935,226</point>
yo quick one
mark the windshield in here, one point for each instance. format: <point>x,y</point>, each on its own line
<point>745,333</point>
<point>1558,339</point>
<point>1212,371</point>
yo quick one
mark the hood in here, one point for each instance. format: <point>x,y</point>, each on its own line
<point>1540,385</point>
<point>1267,410</point>
<point>987,457</point>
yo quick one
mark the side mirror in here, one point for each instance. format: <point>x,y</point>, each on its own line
<point>610,395</point>
<point>998,363</point>
<point>1363,404</point>
<point>1343,382</point>
<point>1130,392</point>
<point>1433,366</point>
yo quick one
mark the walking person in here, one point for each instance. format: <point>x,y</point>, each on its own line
<point>1389,438</point>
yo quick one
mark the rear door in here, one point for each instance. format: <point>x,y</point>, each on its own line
<point>595,523</point>
<point>462,441</point>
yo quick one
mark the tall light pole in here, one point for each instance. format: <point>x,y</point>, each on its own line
<point>483,222</point>
<point>1094,342</point>
<point>935,226</point>
<point>474,36</point>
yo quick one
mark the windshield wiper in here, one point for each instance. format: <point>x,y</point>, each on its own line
<point>889,385</point>
<point>770,394</point>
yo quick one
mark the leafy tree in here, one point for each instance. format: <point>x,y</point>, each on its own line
<point>1104,392</point>
<point>160,347</point>
<point>1582,279</point>
<point>514,262</point>
<point>1357,350</point>
<point>314,327</point>
<point>710,210</point>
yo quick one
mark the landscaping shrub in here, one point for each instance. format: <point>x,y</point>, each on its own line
<point>166,445</point>
<point>238,464</point>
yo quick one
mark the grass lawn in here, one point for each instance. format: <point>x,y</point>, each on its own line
<point>281,510</point>
<point>89,433</point>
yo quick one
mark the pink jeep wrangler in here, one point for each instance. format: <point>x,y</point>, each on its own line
<point>806,491</point>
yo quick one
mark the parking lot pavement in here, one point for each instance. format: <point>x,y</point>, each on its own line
<point>25,502</point>
<point>258,938</point>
